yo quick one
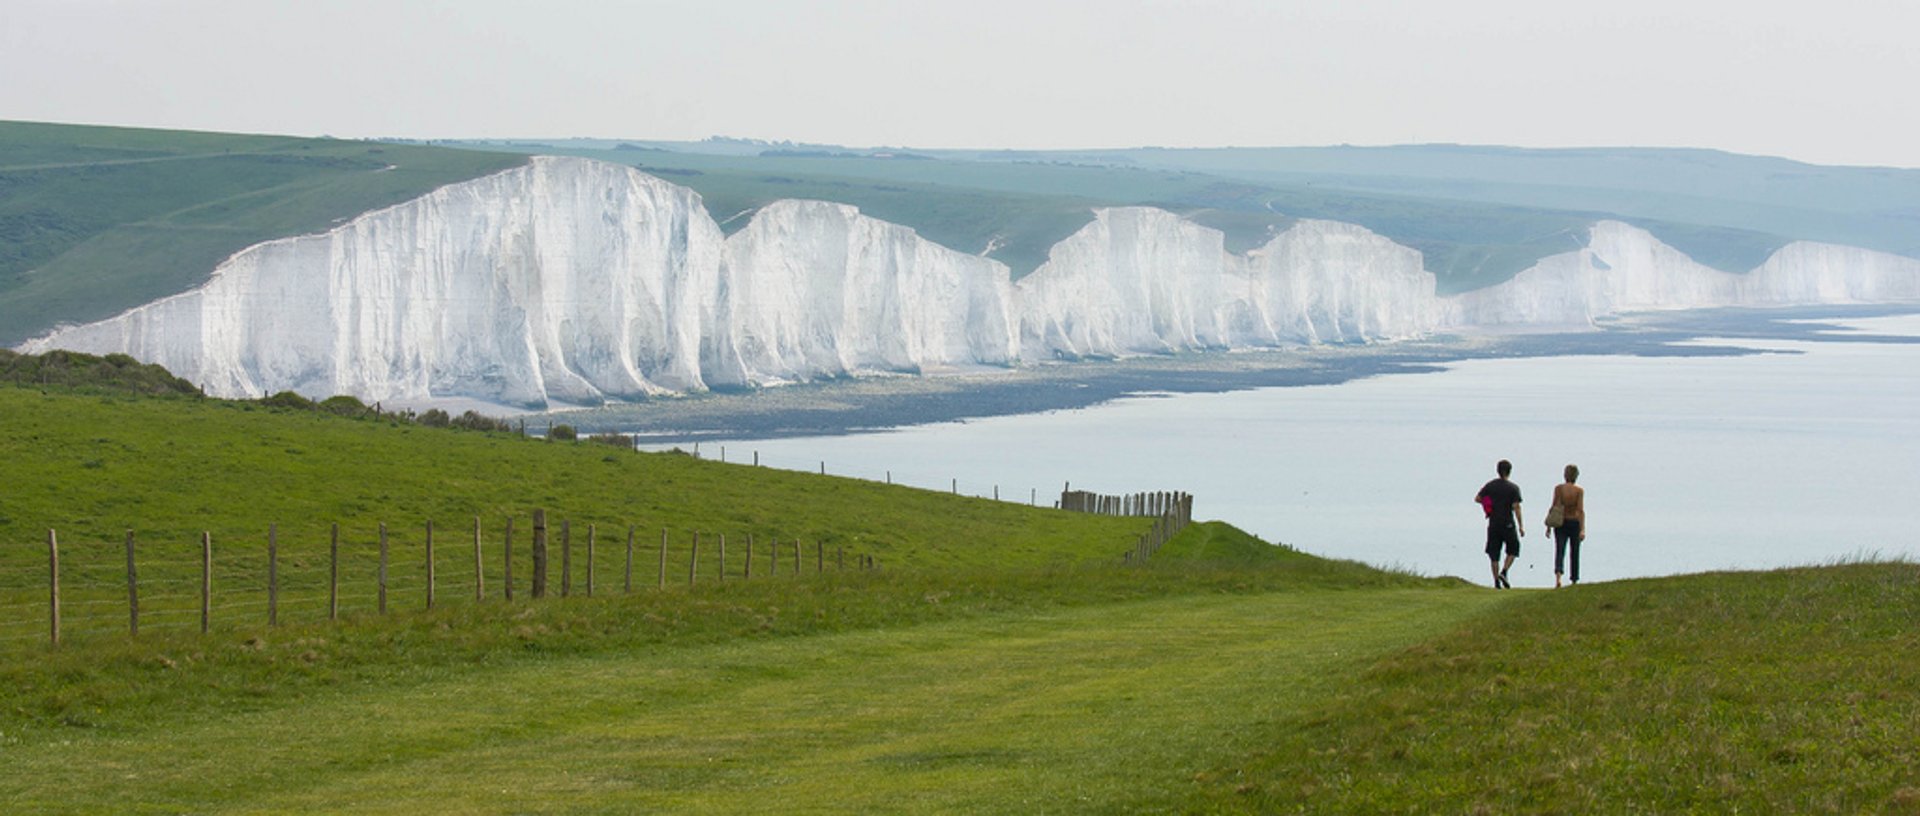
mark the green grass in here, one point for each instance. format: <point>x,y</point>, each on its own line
<point>1002,660</point>
<point>1782,692</point>
<point>97,220</point>
<point>1103,689</point>
<point>96,466</point>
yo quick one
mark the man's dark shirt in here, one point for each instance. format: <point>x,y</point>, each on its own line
<point>1505,494</point>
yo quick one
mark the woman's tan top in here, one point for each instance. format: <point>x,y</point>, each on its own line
<point>1572,499</point>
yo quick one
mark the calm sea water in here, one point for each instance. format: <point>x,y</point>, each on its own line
<point>1690,463</point>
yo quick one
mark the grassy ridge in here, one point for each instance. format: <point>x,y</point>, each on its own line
<point>1782,692</point>
<point>96,220</point>
<point>95,466</point>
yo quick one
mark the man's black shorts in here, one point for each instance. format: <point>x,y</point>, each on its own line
<point>1507,535</point>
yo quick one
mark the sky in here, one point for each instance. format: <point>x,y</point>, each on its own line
<point>1828,82</point>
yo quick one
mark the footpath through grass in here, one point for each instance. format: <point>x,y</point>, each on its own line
<point>1104,706</point>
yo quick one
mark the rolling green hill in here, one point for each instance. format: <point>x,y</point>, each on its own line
<point>1001,660</point>
<point>96,220</point>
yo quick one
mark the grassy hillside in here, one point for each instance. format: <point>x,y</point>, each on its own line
<point>1001,661</point>
<point>1781,692</point>
<point>96,220</point>
<point>93,467</point>
<point>971,596</point>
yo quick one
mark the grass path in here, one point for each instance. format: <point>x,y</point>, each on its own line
<point>1114,706</point>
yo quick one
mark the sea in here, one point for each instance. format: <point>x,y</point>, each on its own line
<point>1806,451</point>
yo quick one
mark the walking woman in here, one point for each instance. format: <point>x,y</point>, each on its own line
<point>1570,502</point>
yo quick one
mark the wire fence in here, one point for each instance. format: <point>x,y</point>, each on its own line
<point>83,587</point>
<point>1010,492</point>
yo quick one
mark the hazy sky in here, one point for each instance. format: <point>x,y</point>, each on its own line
<point>1828,82</point>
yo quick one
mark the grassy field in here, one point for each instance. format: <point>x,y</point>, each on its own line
<point>96,220</point>
<point>1002,660</point>
<point>94,466</point>
<point>1796,691</point>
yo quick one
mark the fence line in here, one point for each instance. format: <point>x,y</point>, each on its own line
<point>1171,511</point>
<point>311,577</point>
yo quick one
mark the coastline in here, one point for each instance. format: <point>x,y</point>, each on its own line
<point>867,404</point>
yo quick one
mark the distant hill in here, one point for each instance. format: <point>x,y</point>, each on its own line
<point>96,220</point>
<point>1478,214</point>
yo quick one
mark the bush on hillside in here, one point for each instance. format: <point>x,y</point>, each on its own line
<point>435,418</point>
<point>614,439</point>
<point>344,405</point>
<point>475,421</point>
<point>288,399</point>
<point>114,372</point>
<point>563,433</point>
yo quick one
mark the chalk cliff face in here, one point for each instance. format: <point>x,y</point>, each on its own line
<point>1140,280</point>
<point>519,287</point>
<point>575,281</point>
<point>1626,269</point>
<point>817,289</point>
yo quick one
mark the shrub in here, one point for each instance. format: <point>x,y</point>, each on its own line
<point>614,439</point>
<point>288,399</point>
<point>474,421</point>
<point>563,433</point>
<point>435,418</point>
<point>344,405</point>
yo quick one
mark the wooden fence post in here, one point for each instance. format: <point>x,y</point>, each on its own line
<point>383,568</point>
<point>206,581</point>
<point>663,558</point>
<point>333,575</point>
<point>133,592</point>
<point>796,556</point>
<point>53,587</point>
<point>506,563</point>
<point>566,558</point>
<point>273,575</point>
<point>748,575</point>
<point>479,575</point>
<point>539,553</point>
<point>429,563</point>
<point>590,532</point>
<point>693,559</point>
<point>629,578</point>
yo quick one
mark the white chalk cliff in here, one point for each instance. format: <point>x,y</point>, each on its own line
<point>575,281</point>
<point>1625,269</point>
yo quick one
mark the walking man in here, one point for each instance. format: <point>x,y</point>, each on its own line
<point>1501,499</point>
